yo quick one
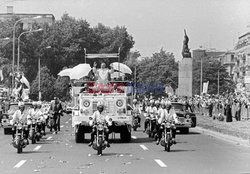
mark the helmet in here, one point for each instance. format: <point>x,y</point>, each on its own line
<point>100,104</point>
<point>34,103</point>
<point>134,101</point>
<point>151,101</point>
<point>168,104</point>
<point>162,102</point>
<point>157,102</point>
<point>39,103</point>
<point>20,104</point>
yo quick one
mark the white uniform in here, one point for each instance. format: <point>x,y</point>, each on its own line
<point>137,109</point>
<point>18,116</point>
<point>151,111</point>
<point>168,116</point>
<point>99,118</point>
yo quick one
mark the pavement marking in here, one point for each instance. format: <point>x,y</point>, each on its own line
<point>37,148</point>
<point>20,164</point>
<point>143,147</point>
<point>160,163</point>
<point>49,138</point>
<point>62,126</point>
<point>134,137</point>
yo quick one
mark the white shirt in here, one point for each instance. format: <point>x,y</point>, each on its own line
<point>99,117</point>
<point>18,116</point>
<point>168,116</point>
<point>151,111</point>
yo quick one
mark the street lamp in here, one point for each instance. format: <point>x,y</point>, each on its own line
<point>39,76</point>
<point>14,32</point>
<point>18,43</point>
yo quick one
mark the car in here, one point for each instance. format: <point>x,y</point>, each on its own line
<point>8,116</point>
<point>186,118</point>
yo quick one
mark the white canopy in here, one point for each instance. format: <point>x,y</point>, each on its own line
<point>121,67</point>
<point>80,71</point>
<point>65,72</point>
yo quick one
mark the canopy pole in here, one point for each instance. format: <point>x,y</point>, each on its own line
<point>119,50</point>
<point>85,52</point>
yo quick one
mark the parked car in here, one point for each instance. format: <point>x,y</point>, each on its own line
<point>8,116</point>
<point>187,119</point>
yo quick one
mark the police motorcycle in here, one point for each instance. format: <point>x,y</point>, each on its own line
<point>99,141</point>
<point>167,140</point>
<point>19,142</point>
<point>151,127</point>
<point>135,121</point>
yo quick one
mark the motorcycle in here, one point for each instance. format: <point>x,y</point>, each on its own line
<point>98,143</point>
<point>38,129</point>
<point>151,127</point>
<point>167,141</point>
<point>32,131</point>
<point>135,121</point>
<point>19,142</point>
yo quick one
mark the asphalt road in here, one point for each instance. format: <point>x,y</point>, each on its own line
<point>193,153</point>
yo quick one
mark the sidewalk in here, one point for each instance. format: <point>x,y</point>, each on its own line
<point>239,129</point>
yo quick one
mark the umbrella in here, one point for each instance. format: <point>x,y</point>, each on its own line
<point>65,72</point>
<point>116,74</point>
<point>121,67</point>
<point>25,81</point>
<point>80,71</point>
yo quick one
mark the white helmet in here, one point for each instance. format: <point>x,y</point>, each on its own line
<point>39,103</point>
<point>134,101</point>
<point>100,104</point>
<point>151,101</point>
<point>34,103</point>
<point>157,102</point>
<point>20,104</point>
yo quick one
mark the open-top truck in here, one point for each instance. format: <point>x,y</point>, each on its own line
<point>117,99</point>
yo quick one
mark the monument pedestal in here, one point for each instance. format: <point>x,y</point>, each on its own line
<point>185,78</point>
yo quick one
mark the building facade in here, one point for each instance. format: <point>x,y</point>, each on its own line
<point>242,63</point>
<point>228,61</point>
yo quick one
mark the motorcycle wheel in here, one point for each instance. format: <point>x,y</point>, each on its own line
<point>167,145</point>
<point>33,140</point>
<point>99,148</point>
<point>19,146</point>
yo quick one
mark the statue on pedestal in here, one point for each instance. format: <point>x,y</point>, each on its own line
<point>185,50</point>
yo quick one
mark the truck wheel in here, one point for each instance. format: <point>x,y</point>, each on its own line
<point>184,130</point>
<point>125,136</point>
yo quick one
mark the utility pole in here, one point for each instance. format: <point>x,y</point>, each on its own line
<point>201,78</point>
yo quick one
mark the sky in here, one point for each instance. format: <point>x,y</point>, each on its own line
<point>155,24</point>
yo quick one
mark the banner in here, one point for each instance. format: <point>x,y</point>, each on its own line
<point>205,87</point>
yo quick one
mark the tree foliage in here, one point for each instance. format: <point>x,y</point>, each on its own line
<point>210,71</point>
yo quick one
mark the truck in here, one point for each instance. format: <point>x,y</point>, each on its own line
<point>117,105</point>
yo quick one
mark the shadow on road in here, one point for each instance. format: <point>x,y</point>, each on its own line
<point>181,150</point>
<point>33,152</point>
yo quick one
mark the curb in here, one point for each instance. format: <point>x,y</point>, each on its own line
<point>229,138</point>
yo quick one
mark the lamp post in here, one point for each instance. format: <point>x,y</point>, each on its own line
<point>18,43</point>
<point>39,76</point>
<point>13,50</point>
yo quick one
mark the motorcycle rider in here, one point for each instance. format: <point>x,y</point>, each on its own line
<point>19,116</point>
<point>168,115</point>
<point>40,115</point>
<point>137,110</point>
<point>99,118</point>
<point>151,112</point>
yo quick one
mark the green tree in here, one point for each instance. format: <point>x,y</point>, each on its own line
<point>47,86</point>
<point>61,87</point>
<point>210,73</point>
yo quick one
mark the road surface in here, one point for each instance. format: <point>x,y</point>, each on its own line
<point>193,153</point>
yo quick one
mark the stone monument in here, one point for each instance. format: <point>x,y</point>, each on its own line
<point>185,70</point>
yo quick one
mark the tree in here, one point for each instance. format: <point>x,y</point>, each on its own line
<point>61,87</point>
<point>160,68</point>
<point>210,73</point>
<point>47,86</point>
